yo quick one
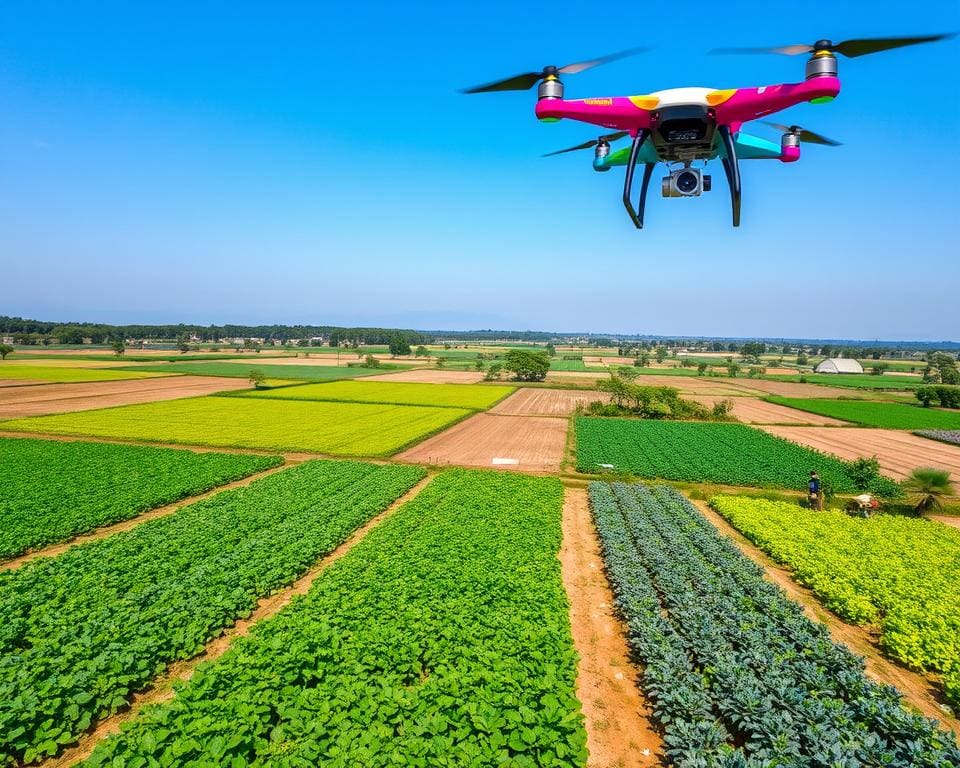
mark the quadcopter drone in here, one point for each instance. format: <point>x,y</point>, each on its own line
<point>681,125</point>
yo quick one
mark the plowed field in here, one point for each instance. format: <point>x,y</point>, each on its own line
<point>528,401</point>
<point>750,410</point>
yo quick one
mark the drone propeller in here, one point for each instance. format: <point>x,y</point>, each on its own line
<point>808,137</point>
<point>848,48</point>
<point>588,144</point>
<point>529,79</point>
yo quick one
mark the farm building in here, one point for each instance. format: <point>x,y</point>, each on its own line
<point>838,365</point>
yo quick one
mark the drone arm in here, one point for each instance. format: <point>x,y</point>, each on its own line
<point>636,218</point>
<point>732,169</point>
<point>612,112</point>
<point>746,104</point>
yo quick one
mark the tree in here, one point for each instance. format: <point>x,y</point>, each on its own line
<point>399,345</point>
<point>661,354</point>
<point>183,344</point>
<point>118,347</point>
<point>479,365</point>
<point>441,362</point>
<point>628,374</point>
<point>732,370</point>
<point>5,349</point>
<point>526,365</point>
<point>551,350</point>
<point>878,369</point>
<point>863,472</point>
<point>927,487</point>
<point>257,378</point>
<point>371,362</point>
<point>802,359</point>
<point>493,372</point>
<point>422,351</point>
<point>644,359</point>
<point>701,369</point>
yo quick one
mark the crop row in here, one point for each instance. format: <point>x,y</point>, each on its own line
<point>441,639</point>
<point>875,414</point>
<point>54,490</point>
<point>951,436</point>
<point>734,454</point>
<point>81,632</point>
<point>343,429</point>
<point>900,573</point>
<point>737,674</point>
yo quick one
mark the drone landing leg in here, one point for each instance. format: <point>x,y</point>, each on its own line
<point>645,182</point>
<point>732,168</point>
<point>628,182</point>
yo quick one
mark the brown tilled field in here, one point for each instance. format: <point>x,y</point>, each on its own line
<point>899,452</point>
<point>530,401</point>
<point>794,389</point>
<point>430,376</point>
<point>42,399</point>
<point>535,443</point>
<point>752,410</point>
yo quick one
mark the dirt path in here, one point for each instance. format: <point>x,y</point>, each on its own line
<point>918,691</point>
<point>125,525</point>
<point>531,401</point>
<point>163,686</point>
<point>751,410</point>
<point>619,732</point>
<point>952,520</point>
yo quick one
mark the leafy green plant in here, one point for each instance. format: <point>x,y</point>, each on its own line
<point>926,488</point>
<point>875,414</point>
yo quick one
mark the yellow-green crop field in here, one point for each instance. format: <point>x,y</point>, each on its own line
<point>66,375</point>
<point>474,396</point>
<point>344,429</point>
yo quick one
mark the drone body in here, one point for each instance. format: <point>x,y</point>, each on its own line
<point>684,125</point>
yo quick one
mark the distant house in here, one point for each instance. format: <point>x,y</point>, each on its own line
<point>838,365</point>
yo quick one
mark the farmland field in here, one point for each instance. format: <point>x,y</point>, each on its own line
<point>280,371</point>
<point>854,381</point>
<point>80,632</point>
<point>430,376</point>
<point>869,572</point>
<point>64,374</point>
<point>949,436</point>
<point>55,490</point>
<point>705,452</point>
<point>441,639</point>
<point>477,397</point>
<point>876,414</point>
<point>535,401</point>
<point>345,429</point>
<point>752,410</point>
<point>733,666</point>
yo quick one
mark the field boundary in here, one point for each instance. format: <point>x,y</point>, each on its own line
<point>163,687</point>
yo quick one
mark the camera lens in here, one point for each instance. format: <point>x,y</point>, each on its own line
<point>687,182</point>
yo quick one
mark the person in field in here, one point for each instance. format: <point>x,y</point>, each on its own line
<point>815,491</point>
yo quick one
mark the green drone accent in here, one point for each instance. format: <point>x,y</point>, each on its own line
<point>822,100</point>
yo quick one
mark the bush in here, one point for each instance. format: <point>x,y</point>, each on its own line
<point>863,472</point>
<point>371,362</point>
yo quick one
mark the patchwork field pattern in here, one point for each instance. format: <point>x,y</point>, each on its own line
<point>64,374</point>
<point>705,452</point>
<point>81,632</point>
<point>900,573</point>
<point>271,371</point>
<point>876,414</point>
<point>476,397</point>
<point>53,490</point>
<point>536,401</point>
<point>346,429</point>
<point>442,638</point>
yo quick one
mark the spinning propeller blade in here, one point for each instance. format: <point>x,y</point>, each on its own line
<point>588,144</point>
<point>527,80</point>
<point>808,137</point>
<point>848,48</point>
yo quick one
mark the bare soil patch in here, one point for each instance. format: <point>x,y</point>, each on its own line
<point>430,376</point>
<point>530,443</point>
<point>532,401</point>
<point>952,520</point>
<point>41,399</point>
<point>899,452</point>
<point>793,389</point>
<point>918,691</point>
<point>751,410</point>
<point>619,730</point>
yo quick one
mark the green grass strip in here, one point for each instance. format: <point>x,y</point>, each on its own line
<point>875,414</point>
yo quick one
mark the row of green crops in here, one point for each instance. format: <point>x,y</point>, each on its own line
<point>736,673</point>
<point>473,396</point>
<point>441,639</point>
<point>54,490</point>
<point>344,429</point>
<point>305,372</point>
<point>900,573</point>
<point>875,414</point>
<point>66,375</point>
<point>852,380</point>
<point>81,632</point>
<point>733,454</point>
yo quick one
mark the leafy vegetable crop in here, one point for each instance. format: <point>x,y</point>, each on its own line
<point>901,573</point>
<point>737,674</point>
<point>441,639</point>
<point>455,395</point>
<point>346,429</point>
<point>54,490</point>
<point>951,436</point>
<point>875,414</point>
<point>81,632</point>
<point>707,452</point>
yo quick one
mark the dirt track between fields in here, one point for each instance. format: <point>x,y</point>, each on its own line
<point>793,389</point>
<point>532,401</point>
<point>899,452</point>
<point>751,410</point>
<point>42,399</point>
<point>619,731</point>
<point>430,376</point>
<point>536,443</point>
<point>162,688</point>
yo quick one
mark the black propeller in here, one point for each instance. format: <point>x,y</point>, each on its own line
<point>808,137</point>
<point>588,144</point>
<point>529,79</point>
<point>848,48</point>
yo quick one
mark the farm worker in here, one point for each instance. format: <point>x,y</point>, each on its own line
<point>815,492</point>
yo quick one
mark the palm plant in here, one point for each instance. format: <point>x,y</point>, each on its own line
<point>927,487</point>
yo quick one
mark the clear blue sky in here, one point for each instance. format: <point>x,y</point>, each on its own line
<point>313,162</point>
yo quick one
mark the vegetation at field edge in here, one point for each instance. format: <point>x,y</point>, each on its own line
<point>875,414</point>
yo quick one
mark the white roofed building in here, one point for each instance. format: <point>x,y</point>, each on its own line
<point>838,365</point>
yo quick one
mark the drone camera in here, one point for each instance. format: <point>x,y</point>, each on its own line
<point>685,183</point>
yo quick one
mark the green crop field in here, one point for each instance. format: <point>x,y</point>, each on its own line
<point>81,632</point>
<point>54,490</point>
<point>67,375</point>
<point>853,380</point>
<point>441,639</point>
<point>473,396</point>
<point>733,454</point>
<point>876,414</point>
<point>900,573</point>
<point>343,429</point>
<point>242,370</point>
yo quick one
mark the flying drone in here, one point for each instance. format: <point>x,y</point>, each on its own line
<point>679,126</point>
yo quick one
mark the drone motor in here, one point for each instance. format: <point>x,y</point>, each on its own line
<point>687,182</point>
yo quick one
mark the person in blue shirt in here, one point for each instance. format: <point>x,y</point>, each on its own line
<point>815,491</point>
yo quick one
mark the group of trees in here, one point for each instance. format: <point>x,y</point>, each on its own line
<point>941,369</point>
<point>629,398</point>
<point>522,364</point>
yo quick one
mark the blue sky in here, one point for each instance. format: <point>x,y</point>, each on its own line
<point>314,162</point>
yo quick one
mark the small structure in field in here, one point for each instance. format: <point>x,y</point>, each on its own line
<point>838,365</point>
